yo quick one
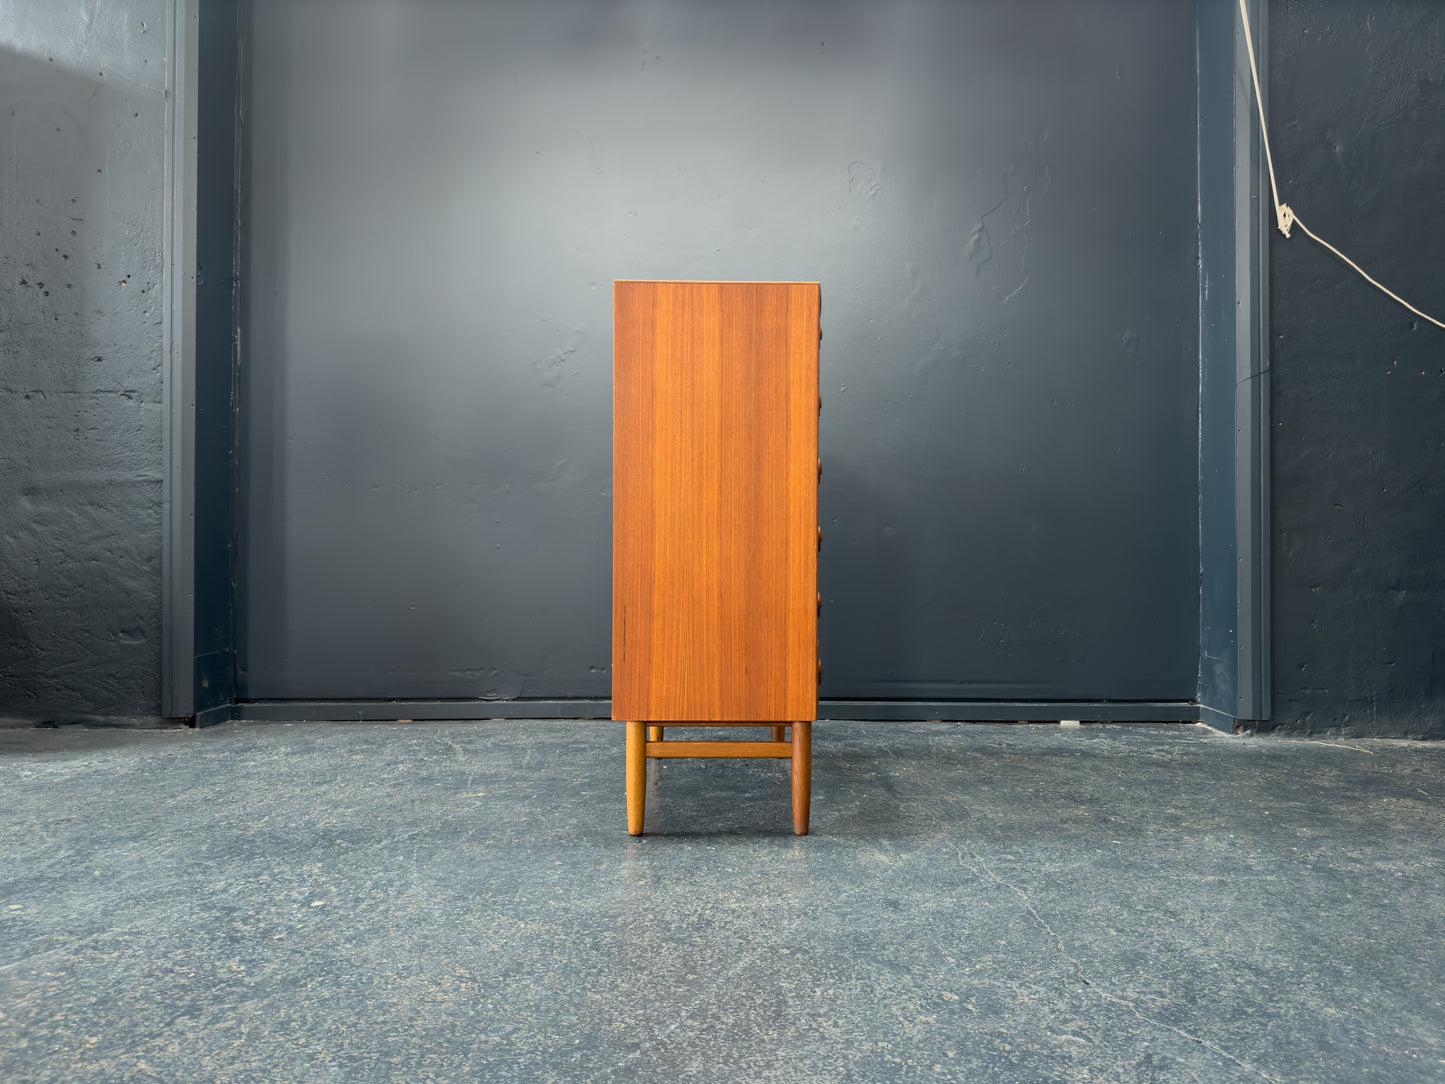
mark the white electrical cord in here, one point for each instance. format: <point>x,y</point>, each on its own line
<point>1284,215</point>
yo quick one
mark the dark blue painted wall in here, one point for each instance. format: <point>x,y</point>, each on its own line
<point>1218,299</point>
<point>1357,115</point>
<point>999,199</point>
<point>215,523</point>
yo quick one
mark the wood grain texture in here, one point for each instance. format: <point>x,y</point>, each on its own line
<point>715,501</point>
<point>637,777</point>
<point>802,776</point>
<point>719,749</point>
<point>653,724</point>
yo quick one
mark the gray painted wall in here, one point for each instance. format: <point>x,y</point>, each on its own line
<point>82,125</point>
<point>1358,119</point>
<point>1000,202</point>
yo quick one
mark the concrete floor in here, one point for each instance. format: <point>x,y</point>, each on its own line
<point>452,901</point>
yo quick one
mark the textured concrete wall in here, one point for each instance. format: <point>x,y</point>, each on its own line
<point>1358,120</point>
<point>82,123</point>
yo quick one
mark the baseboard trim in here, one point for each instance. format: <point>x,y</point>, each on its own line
<point>1012,711</point>
<point>357,711</point>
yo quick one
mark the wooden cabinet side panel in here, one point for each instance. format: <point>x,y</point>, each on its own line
<point>715,501</point>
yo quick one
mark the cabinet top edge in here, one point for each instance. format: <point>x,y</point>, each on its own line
<point>718,282</point>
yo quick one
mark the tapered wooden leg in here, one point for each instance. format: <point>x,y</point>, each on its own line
<point>637,777</point>
<point>779,733</point>
<point>654,733</point>
<point>802,775</point>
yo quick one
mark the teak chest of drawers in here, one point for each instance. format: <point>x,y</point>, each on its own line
<point>715,519</point>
